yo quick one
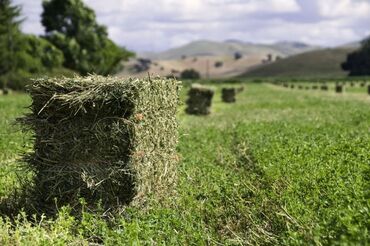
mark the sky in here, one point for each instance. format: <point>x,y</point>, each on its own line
<point>157,25</point>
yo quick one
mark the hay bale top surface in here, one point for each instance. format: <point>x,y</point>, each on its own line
<point>79,92</point>
<point>200,87</point>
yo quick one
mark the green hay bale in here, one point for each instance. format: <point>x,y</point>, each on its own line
<point>339,88</point>
<point>324,87</point>
<point>240,89</point>
<point>292,86</point>
<point>199,101</point>
<point>103,139</point>
<point>315,87</point>
<point>228,95</point>
<point>300,87</point>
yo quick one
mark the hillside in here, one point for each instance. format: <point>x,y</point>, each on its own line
<point>228,48</point>
<point>204,56</point>
<point>318,63</point>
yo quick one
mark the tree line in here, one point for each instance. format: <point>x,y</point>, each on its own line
<point>73,43</point>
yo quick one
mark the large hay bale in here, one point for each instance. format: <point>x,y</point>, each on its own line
<point>103,138</point>
<point>199,101</point>
<point>228,95</point>
<point>339,88</point>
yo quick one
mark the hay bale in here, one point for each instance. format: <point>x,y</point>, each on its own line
<point>6,91</point>
<point>339,88</point>
<point>200,100</point>
<point>300,87</point>
<point>103,138</point>
<point>315,87</point>
<point>292,86</point>
<point>228,95</point>
<point>240,89</point>
<point>324,87</point>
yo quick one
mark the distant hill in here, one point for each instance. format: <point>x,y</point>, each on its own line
<point>229,48</point>
<point>317,63</point>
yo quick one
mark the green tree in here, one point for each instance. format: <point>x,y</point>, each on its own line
<point>190,74</point>
<point>10,36</point>
<point>22,56</point>
<point>358,62</point>
<point>71,26</point>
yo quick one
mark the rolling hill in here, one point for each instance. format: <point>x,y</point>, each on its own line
<point>204,56</point>
<point>317,63</point>
<point>228,48</point>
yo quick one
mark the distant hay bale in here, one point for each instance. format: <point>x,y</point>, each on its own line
<point>199,101</point>
<point>6,91</point>
<point>286,85</point>
<point>240,89</point>
<point>292,86</point>
<point>339,88</point>
<point>300,87</point>
<point>324,87</point>
<point>315,87</point>
<point>228,95</point>
<point>103,139</point>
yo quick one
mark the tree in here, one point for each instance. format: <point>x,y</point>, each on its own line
<point>190,74</point>
<point>358,62</point>
<point>10,36</point>
<point>71,26</point>
<point>22,56</point>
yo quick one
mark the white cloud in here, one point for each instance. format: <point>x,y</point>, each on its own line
<point>344,8</point>
<point>162,24</point>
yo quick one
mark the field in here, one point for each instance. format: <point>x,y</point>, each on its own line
<point>279,167</point>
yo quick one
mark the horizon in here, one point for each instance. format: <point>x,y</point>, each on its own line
<point>173,24</point>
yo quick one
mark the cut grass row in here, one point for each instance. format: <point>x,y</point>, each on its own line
<point>277,167</point>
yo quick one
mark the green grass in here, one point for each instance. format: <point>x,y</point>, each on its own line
<point>280,166</point>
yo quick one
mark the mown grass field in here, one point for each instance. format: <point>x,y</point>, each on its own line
<point>279,167</point>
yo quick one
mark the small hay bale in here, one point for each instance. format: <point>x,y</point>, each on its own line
<point>199,101</point>
<point>315,87</point>
<point>300,87</point>
<point>324,87</point>
<point>228,95</point>
<point>102,139</point>
<point>6,91</point>
<point>292,86</point>
<point>240,89</point>
<point>339,88</point>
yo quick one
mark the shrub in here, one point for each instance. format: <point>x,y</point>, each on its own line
<point>190,74</point>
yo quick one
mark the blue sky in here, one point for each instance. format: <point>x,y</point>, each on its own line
<point>155,25</point>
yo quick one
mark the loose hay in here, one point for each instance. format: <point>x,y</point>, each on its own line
<point>228,95</point>
<point>103,139</point>
<point>200,100</point>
